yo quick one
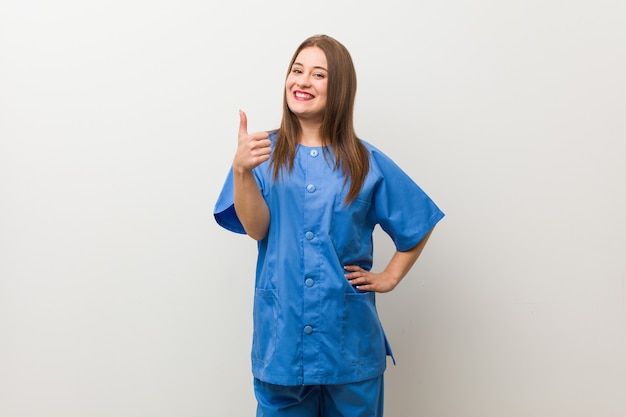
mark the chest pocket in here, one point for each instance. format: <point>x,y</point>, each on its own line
<point>348,224</point>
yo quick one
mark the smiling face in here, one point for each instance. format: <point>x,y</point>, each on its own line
<point>305,87</point>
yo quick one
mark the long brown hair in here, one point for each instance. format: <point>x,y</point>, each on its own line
<point>337,129</point>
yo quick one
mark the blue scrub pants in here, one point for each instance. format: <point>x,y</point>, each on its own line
<point>359,399</point>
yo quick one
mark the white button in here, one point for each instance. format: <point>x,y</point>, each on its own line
<point>308,329</point>
<point>313,153</point>
<point>310,188</point>
<point>309,235</point>
<point>309,282</point>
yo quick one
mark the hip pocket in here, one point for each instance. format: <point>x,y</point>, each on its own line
<point>265,321</point>
<point>362,337</point>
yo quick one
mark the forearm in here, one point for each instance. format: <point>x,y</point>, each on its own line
<point>396,269</point>
<point>402,262</point>
<point>250,205</point>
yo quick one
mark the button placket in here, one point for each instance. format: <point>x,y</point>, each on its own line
<point>311,319</point>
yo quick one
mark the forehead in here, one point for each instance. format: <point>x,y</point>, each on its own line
<point>312,57</point>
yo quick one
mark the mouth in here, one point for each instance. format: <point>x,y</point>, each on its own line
<point>301,95</point>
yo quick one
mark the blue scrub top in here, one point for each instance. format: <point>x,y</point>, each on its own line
<point>310,325</point>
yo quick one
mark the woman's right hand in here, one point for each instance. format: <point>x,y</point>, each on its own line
<point>252,149</point>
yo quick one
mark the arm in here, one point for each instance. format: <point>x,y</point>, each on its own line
<point>397,268</point>
<point>250,206</point>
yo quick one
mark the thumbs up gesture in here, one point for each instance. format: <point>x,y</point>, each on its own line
<point>252,149</point>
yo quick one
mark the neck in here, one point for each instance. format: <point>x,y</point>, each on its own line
<point>310,135</point>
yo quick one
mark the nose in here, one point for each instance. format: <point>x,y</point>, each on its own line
<point>303,81</point>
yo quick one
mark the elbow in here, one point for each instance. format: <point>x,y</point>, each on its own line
<point>257,234</point>
<point>257,237</point>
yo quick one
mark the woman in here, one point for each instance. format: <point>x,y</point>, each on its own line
<point>311,194</point>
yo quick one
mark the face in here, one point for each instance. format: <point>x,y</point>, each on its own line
<point>306,83</point>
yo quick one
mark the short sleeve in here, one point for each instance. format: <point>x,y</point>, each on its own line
<point>224,210</point>
<point>403,210</point>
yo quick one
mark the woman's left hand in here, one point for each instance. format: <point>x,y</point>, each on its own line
<point>364,280</point>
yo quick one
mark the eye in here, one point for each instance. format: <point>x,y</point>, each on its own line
<point>296,70</point>
<point>319,75</point>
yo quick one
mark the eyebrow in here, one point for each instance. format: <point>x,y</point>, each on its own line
<point>317,66</point>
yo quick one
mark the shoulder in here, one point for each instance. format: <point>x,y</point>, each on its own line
<point>379,161</point>
<point>374,151</point>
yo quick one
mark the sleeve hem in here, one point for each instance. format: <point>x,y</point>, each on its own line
<point>408,244</point>
<point>228,219</point>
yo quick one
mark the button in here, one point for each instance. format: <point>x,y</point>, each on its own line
<point>310,188</point>
<point>309,235</point>
<point>309,282</point>
<point>314,153</point>
<point>308,329</point>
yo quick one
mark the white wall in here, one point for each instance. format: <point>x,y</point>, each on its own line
<point>120,296</point>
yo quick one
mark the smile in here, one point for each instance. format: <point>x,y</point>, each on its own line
<point>303,95</point>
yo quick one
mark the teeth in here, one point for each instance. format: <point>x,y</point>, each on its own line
<point>303,95</point>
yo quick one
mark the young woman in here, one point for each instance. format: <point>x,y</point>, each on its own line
<point>311,194</point>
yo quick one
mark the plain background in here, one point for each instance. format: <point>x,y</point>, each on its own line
<point>121,297</point>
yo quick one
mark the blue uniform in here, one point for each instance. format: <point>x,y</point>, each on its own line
<point>311,326</point>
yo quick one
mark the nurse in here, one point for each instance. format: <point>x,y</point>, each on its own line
<point>311,193</point>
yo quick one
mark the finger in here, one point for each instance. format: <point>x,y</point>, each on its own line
<point>243,123</point>
<point>358,282</point>
<point>265,150</point>
<point>259,147</point>
<point>357,276</point>
<point>260,137</point>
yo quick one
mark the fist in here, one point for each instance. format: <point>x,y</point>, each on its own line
<point>252,149</point>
